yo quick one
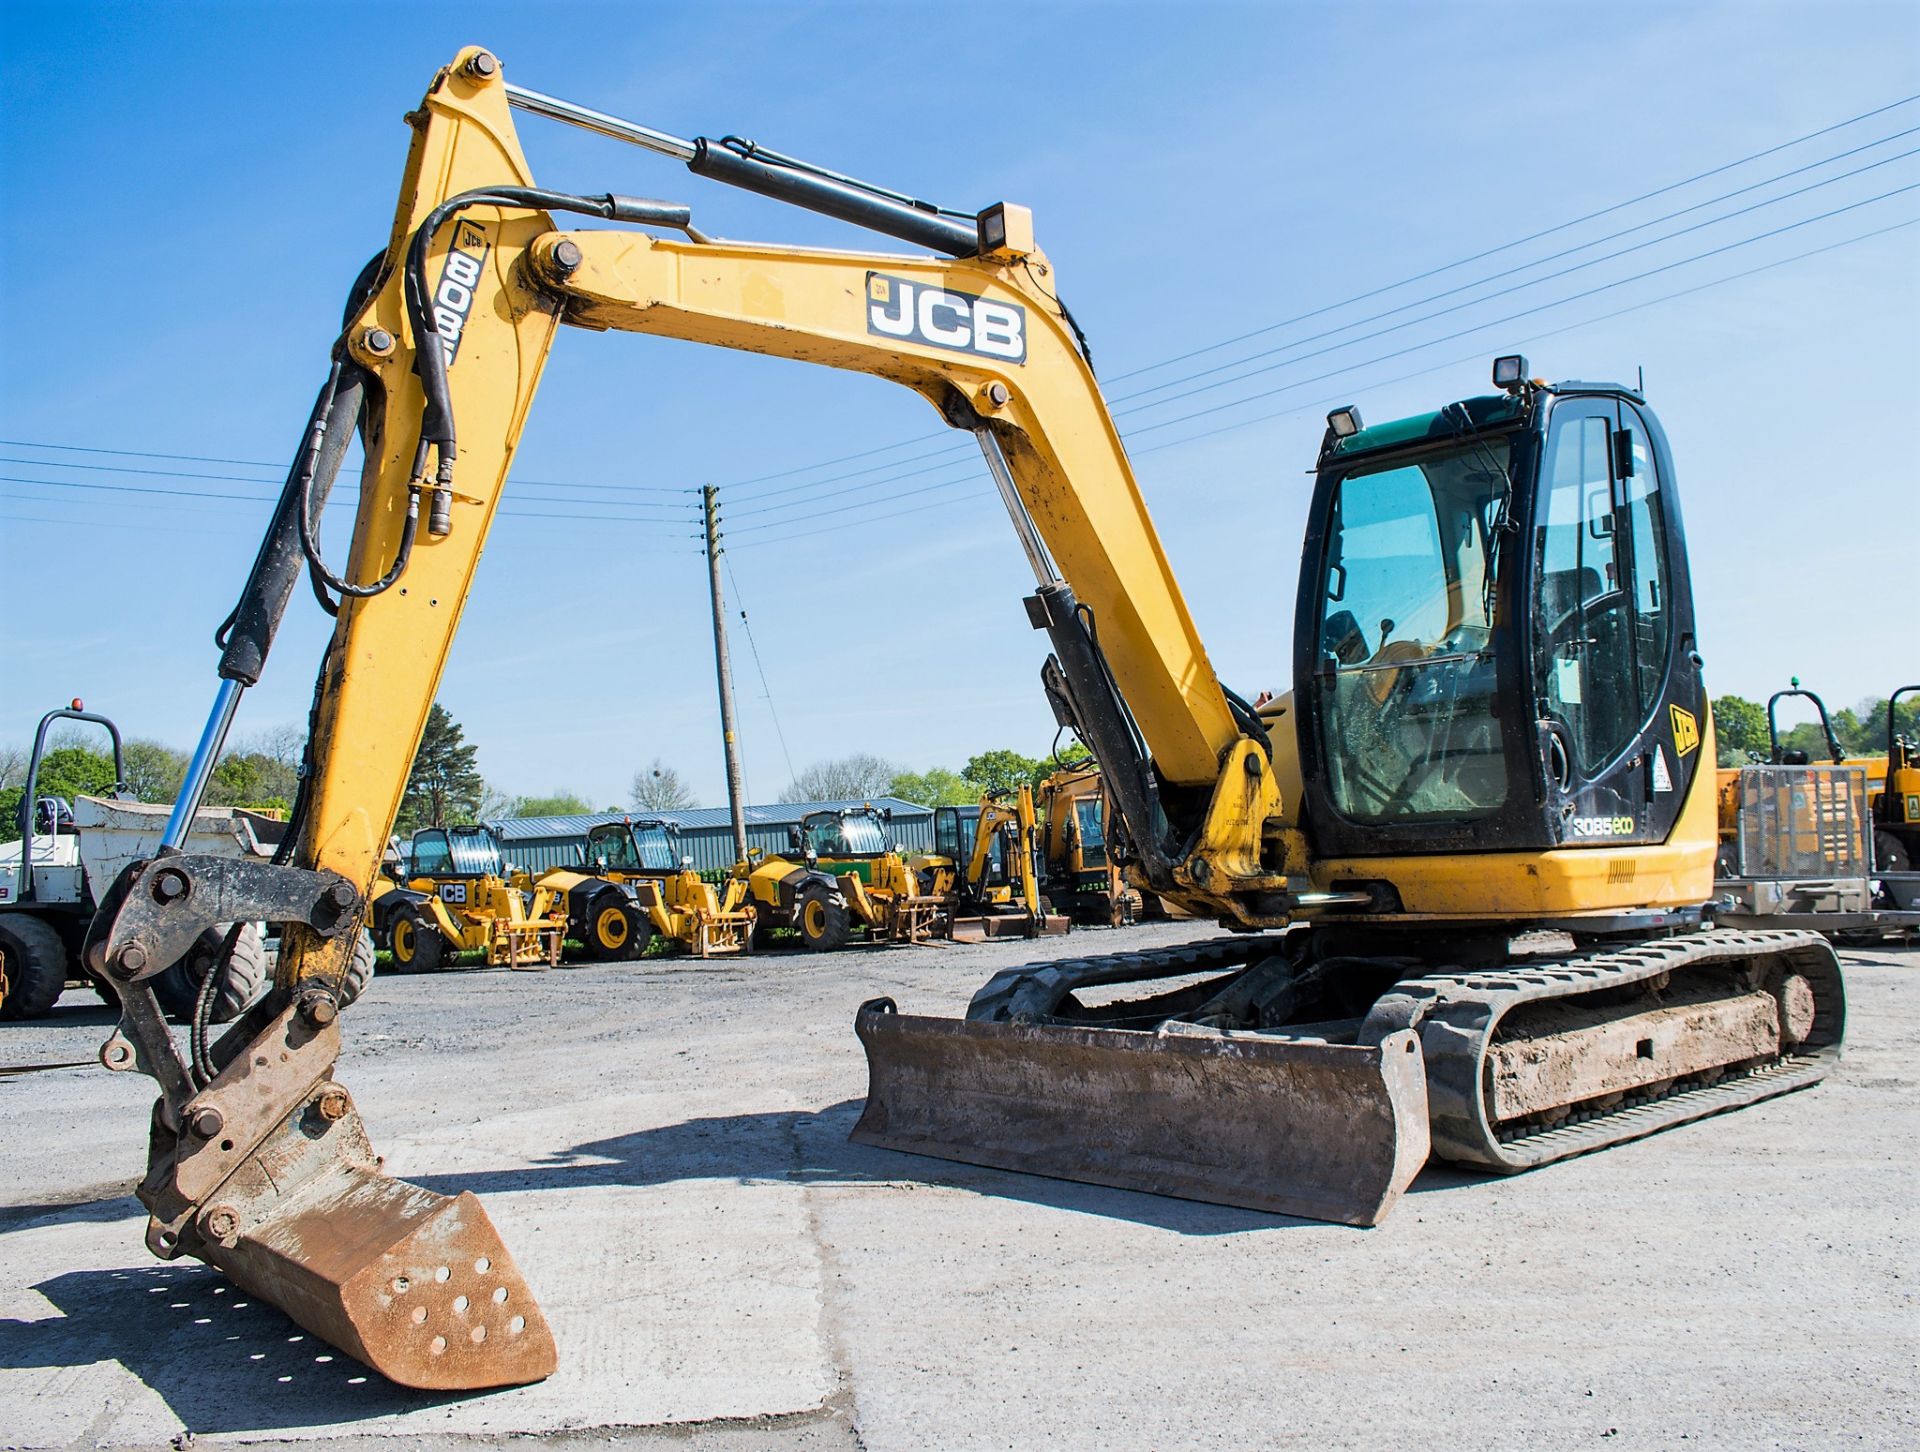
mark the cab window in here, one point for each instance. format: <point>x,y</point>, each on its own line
<point>1601,613</point>
<point>431,855</point>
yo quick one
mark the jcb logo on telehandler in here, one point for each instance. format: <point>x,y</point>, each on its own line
<point>459,280</point>
<point>897,308</point>
<point>454,893</point>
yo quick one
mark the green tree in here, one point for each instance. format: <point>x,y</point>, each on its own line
<point>252,779</point>
<point>445,787</point>
<point>560,804</point>
<point>154,771</point>
<point>934,787</point>
<point>997,772</point>
<point>66,772</point>
<point>1739,726</point>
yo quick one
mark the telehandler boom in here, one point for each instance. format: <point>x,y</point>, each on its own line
<point>1498,728</point>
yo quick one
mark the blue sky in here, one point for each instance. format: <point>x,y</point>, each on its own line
<point>188,191</point>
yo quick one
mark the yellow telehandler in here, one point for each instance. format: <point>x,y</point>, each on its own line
<point>842,872</point>
<point>660,895</point>
<point>454,895</point>
<point>1483,815</point>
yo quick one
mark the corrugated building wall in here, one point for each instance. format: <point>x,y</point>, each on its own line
<point>706,833</point>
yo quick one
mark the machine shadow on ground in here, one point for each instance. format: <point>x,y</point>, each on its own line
<point>811,1147</point>
<point>222,1361</point>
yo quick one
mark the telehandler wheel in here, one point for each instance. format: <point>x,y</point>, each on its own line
<point>1890,854</point>
<point>178,988</point>
<point>761,934</point>
<point>359,969</point>
<point>822,919</point>
<point>33,962</point>
<point>418,944</point>
<point>614,931</point>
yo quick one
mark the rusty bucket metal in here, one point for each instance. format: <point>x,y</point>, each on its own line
<point>417,1285</point>
<point>1319,1130</point>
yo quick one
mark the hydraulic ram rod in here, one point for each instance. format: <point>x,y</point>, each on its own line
<point>783,178</point>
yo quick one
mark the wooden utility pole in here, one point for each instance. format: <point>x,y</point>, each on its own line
<point>736,791</point>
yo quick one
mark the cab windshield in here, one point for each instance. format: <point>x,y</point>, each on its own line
<point>645,848</point>
<point>1406,635</point>
<point>456,852</point>
<point>855,835</point>
<point>1093,832</point>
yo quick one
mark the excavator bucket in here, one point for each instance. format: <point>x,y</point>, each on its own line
<point>416,1284</point>
<point>1323,1131</point>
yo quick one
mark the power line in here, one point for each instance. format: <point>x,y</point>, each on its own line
<point>1523,313</point>
<point>1531,237</point>
<point>1438,367</point>
<point>256,499</point>
<point>281,468</point>
<point>753,648</point>
<point>1403,282</point>
<point>1521,287</point>
<point>957,460</point>
<point>1565,252</point>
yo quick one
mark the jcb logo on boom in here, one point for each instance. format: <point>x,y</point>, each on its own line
<point>454,893</point>
<point>936,316</point>
<point>459,280</point>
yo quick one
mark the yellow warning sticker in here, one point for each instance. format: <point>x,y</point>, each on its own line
<point>1686,731</point>
<point>879,288</point>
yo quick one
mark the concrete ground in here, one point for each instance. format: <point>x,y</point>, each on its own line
<point>664,1146</point>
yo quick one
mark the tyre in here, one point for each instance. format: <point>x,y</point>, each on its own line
<point>1890,854</point>
<point>417,943</point>
<point>613,930</point>
<point>821,916</point>
<point>244,980</point>
<point>360,968</point>
<point>763,929</point>
<point>33,963</point>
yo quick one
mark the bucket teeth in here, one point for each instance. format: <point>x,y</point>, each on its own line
<point>416,1284</point>
<point>1324,1131</point>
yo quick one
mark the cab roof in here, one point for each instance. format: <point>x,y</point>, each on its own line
<point>1489,411</point>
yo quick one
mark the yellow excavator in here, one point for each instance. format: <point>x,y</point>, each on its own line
<point>1483,809</point>
<point>984,865</point>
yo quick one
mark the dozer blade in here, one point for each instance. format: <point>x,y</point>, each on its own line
<point>415,1284</point>
<point>979,927</point>
<point>1324,1131</point>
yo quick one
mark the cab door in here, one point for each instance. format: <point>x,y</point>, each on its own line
<point>1616,685</point>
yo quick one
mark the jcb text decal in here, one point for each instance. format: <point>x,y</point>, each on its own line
<point>1686,730</point>
<point>459,280</point>
<point>897,308</point>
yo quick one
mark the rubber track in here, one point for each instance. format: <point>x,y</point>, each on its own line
<point>1456,1016</point>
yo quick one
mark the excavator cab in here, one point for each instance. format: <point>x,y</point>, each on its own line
<point>1496,648</point>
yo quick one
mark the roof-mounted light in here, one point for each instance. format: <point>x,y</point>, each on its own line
<point>1345,422</point>
<point>1510,373</point>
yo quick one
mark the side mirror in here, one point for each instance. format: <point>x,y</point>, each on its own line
<point>1623,453</point>
<point>793,838</point>
<point>886,814</point>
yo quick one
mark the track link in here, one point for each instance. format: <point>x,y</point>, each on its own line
<point>1458,1017</point>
